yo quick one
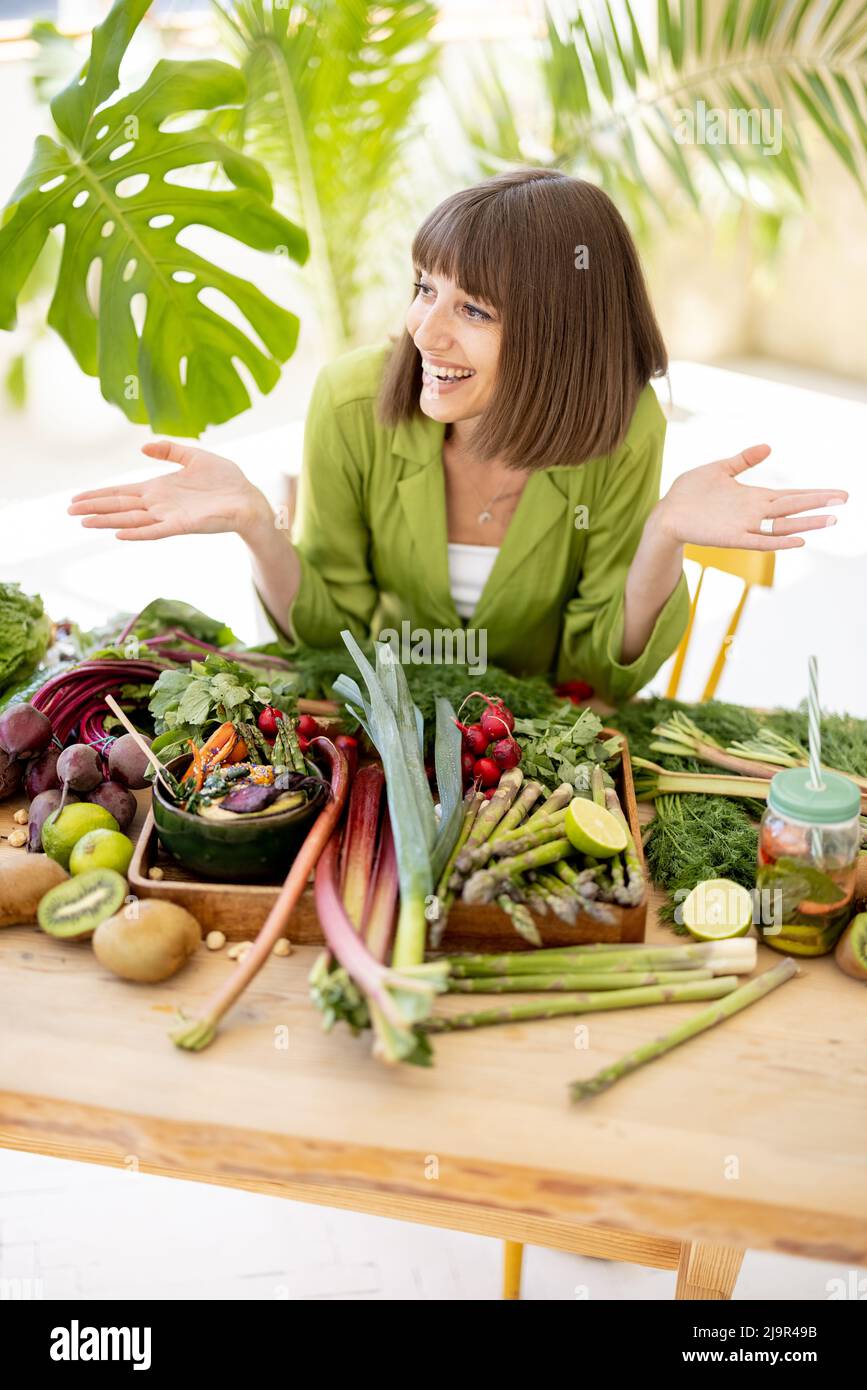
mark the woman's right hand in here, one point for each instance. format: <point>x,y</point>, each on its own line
<point>207,495</point>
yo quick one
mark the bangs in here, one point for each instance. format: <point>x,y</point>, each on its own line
<point>465,240</point>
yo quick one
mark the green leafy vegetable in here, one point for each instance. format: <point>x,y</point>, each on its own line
<point>557,747</point>
<point>25,632</point>
<point>176,371</point>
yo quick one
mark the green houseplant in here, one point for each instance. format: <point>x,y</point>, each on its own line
<point>628,104</point>
<point>128,299</point>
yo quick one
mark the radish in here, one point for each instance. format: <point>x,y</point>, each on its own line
<point>497,719</point>
<point>468,764</point>
<point>486,772</point>
<point>475,739</point>
<point>506,753</point>
<point>268,720</point>
<point>308,727</point>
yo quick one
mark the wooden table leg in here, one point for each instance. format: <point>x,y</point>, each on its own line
<point>707,1271</point>
<point>513,1259</point>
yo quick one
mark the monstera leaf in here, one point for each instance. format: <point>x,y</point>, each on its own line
<point>136,308</point>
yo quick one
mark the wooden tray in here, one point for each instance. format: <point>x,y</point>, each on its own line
<point>239,910</point>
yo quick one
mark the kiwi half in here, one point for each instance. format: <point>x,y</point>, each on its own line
<point>74,909</point>
<point>851,952</point>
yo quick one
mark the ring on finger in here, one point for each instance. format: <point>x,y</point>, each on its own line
<point>766,526</point>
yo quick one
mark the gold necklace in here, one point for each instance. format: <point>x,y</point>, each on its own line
<point>486,515</point>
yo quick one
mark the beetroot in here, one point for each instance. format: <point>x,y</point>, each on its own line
<point>114,798</point>
<point>10,775</point>
<point>40,775</point>
<point>127,763</point>
<point>79,768</point>
<point>41,807</point>
<point>24,731</point>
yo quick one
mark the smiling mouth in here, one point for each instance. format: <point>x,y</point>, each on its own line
<point>438,377</point>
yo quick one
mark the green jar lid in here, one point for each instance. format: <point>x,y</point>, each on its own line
<point>791,795</point>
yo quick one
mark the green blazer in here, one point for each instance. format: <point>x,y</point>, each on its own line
<point>370,532</point>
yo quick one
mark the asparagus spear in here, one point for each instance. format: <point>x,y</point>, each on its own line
<point>738,999</point>
<point>547,829</point>
<point>557,801</point>
<point>483,884</point>
<point>517,812</point>
<point>634,873</point>
<point>445,894</point>
<point>554,900</point>
<point>584,1003</point>
<point>490,815</point>
<point>521,918</point>
<point>730,957</point>
<point>586,979</point>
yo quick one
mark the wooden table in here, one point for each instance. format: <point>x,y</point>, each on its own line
<point>753,1135</point>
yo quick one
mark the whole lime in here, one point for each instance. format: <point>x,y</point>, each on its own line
<point>62,830</point>
<point>101,849</point>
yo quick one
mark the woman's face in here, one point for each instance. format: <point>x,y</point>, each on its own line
<point>458,339</point>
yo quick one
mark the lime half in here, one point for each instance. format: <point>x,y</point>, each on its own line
<point>718,909</point>
<point>593,829</point>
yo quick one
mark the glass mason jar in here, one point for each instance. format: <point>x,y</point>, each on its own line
<point>807,861</point>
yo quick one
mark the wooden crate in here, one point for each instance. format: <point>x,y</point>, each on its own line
<point>240,909</point>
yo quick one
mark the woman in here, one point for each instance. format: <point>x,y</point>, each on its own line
<point>500,464</point>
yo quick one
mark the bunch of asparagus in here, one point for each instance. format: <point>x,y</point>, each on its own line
<point>519,857</point>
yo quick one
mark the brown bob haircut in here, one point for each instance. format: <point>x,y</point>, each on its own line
<point>578,345</point>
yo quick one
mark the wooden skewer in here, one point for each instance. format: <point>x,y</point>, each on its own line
<point>134,733</point>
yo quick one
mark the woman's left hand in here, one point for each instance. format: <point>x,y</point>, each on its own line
<point>710,506</point>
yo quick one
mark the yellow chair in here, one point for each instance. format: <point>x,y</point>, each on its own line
<point>753,567</point>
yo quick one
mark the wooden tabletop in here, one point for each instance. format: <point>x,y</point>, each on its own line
<point>754,1134</point>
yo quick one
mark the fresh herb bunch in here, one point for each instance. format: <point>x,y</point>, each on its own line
<point>557,747</point>
<point>844,737</point>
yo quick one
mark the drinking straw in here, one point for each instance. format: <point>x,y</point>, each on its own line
<point>815,739</point>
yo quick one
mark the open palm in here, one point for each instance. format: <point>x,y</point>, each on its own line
<point>206,495</point>
<point>710,506</point>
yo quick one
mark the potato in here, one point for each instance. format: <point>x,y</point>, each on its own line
<point>24,880</point>
<point>150,946</point>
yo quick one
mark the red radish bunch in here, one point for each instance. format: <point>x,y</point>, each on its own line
<point>488,746</point>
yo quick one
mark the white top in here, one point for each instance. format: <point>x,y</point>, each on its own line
<point>469,567</point>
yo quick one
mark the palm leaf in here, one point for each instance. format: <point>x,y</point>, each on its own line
<point>333,85</point>
<point>176,370</point>
<point>612,94</point>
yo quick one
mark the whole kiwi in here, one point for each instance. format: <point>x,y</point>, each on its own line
<point>851,952</point>
<point>147,941</point>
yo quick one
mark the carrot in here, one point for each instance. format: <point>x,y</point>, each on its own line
<point>238,753</point>
<point>195,769</point>
<point>196,1034</point>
